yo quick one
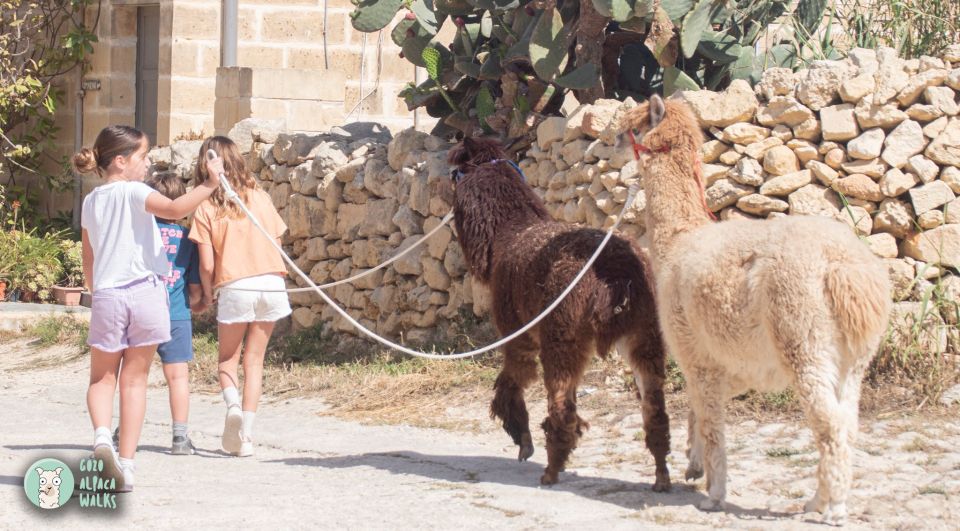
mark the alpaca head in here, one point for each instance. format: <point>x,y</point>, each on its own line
<point>660,128</point>
<point>49,487</point>
<point>471,152</point>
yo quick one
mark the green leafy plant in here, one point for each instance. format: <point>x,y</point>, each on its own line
<point>912,27</point>
<point>40,41</point>
<point>38,265</point>
<point>71,258</point>
<point>32,263</point>
<point>511,62</point>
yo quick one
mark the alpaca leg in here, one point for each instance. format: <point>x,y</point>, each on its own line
<point>694,449</point>
<point>850,401</point>
<point>708,397</point>
<point>650,376</point>
<point>508,405</point>
<point>563,364</point>
<point>850,395</point>
<point>830,423</point>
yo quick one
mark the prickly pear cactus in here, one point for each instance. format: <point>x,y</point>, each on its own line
<point>373,15</point>
<point>510,63</point>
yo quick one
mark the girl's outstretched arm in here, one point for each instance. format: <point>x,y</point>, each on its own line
<point>164,208</point>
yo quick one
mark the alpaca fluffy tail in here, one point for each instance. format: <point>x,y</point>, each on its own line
<point>861,300</point>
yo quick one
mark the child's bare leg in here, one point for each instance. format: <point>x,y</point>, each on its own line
<point>178,382</point>
<point>230,337</point>
<point>104,367</point>
<point>133,396</point>
<point>258,335</point>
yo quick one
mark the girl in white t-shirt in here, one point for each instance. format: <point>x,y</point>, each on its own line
<point>123,257</point>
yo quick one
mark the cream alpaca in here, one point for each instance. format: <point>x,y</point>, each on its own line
<point>49,493</point>
<point>797,301</point>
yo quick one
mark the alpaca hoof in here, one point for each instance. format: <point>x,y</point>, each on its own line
<point>526,450</point>
<point>693,473</point>
<point>548,478</point>
<point>814,505</point>
<point>662,484</point>
<point>835,515</point>
<point>711,504</point>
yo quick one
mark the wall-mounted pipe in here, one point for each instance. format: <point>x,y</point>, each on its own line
<point>77,146</point>
<point>228,33</point>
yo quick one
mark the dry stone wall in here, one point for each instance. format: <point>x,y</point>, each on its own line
<point>873,141</point>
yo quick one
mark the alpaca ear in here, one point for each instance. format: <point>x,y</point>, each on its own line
<point>657,110</point>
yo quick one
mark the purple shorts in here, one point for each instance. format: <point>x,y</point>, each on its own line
<point>134,315</point>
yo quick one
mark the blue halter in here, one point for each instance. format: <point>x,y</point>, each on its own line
<point>457,174</point>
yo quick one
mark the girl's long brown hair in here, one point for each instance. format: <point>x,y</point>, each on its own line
<point>237,174</point>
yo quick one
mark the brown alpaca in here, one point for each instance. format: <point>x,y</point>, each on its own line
<point>749,304</point>
<point>513,246</point>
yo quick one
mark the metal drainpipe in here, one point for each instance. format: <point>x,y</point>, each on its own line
<point>77,146</point>
<point>228,33</point>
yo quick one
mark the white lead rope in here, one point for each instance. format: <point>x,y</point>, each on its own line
<point>446,219</point>
<point>232,196</point>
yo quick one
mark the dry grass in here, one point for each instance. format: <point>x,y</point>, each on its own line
<point>363,382</point>
<point>53,341</point>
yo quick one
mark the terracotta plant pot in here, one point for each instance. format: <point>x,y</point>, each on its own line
<point>67,296</point>
<point>3,290</point>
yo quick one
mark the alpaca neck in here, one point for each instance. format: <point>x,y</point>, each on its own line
<point>675,204</point>
<point>489,208</point>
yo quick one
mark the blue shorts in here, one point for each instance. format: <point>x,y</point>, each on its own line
<point>180,347</point>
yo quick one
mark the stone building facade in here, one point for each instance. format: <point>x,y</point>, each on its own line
<point>155,66</point>
<point>307,48</point>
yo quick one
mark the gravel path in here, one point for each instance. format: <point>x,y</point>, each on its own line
<point>314,470</point>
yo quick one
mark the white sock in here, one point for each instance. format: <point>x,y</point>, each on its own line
<point>128,468</point>
<point>231,396</point>
<point>102,436</point>
<point>247,429</point>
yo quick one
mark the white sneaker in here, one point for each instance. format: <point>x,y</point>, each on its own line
<point>128,472</point>
<point>232,442</point>
<point>246,447</point>
<point>111,466</point>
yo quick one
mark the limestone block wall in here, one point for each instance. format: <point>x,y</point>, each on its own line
<point>351,202</point>
<point>310,35</point>
<point>303,100</point>
<point>873,141</point>
<point>317,35</point>
<point>189,57</point>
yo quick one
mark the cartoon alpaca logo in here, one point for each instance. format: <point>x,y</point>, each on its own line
<point>49,487</point>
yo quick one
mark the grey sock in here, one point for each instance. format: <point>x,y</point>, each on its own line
<point>179,429</point>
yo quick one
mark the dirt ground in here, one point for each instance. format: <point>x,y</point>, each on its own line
<point>312,469</point>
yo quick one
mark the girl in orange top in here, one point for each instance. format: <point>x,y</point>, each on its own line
<point>235,254</point>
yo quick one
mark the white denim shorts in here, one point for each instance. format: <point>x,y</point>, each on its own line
<point>235,306</point>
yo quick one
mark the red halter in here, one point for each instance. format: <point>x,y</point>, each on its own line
<point>639,148</point>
